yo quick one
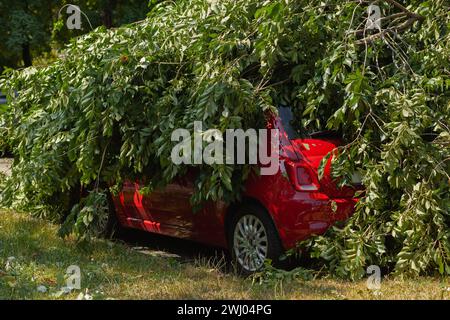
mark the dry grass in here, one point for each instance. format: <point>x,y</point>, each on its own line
<point>116,270</point>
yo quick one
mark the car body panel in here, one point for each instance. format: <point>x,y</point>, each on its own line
<point>169,212</point>
<point>296,214</point>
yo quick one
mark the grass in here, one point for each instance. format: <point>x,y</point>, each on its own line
<point>114,270</point>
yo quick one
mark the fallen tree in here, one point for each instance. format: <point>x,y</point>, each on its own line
<point>107,108</point>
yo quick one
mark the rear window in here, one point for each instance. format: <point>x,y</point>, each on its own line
<point>294,129</point>
<point>289,122</point>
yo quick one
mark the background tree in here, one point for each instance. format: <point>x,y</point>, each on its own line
<point>31,28</point>
<point>25,29</point>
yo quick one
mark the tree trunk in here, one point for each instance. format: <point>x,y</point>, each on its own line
<point>26,55</point>
<point>108,13</point>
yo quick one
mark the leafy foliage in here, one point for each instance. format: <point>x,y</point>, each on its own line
<point>108,108</point>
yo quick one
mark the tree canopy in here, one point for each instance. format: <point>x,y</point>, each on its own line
<point>106,111</point>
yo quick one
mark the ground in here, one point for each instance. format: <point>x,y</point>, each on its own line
<point>33,259</point>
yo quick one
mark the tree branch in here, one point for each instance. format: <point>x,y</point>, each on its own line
<point>361,32</point>
<point>402,8</point>
<point>392,30</point>
<point>412,17</point>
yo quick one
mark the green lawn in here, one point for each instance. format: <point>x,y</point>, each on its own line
<point>115,270</point>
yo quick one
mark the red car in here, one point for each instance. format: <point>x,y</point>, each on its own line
<point>275,213</point>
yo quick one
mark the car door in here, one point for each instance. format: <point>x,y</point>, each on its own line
<point>170,207</point>
<point>166,210</point>
<point>130,206</point>
<point>169,211</point>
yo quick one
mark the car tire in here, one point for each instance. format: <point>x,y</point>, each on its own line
<point>251,246</point>
<point>111,227</point>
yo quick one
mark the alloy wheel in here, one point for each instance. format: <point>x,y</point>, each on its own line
<point>250,242</point>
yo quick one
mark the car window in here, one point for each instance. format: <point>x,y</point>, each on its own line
<point>293,127</point>
<point>287,118</point>
<point>3,100</point>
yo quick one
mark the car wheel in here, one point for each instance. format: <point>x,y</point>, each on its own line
<point>253,239</point>
<point>108,226</point>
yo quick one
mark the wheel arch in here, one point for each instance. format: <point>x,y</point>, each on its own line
<point>232,210</point>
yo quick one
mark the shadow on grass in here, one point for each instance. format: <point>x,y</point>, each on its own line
<point>37,256</point>
<point>162,267</point>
